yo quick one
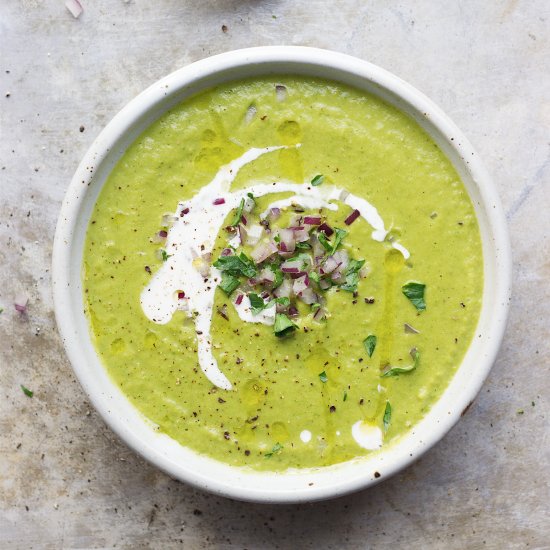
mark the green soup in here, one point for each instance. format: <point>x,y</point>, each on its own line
<point>331,387</point>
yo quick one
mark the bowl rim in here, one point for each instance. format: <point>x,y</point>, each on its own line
<point>279,487</point>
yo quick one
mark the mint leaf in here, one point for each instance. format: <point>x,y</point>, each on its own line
<point>276,270</point>
<point>238,215</point>
<point>324,241</point>
<point>283,325</point>
<point>387,416</point>
<point>415,293</point>
<point>339,236</point>
<point>323,377</point>
<point>370,343</point>
<point>228,283</point>
<point>317,180</point>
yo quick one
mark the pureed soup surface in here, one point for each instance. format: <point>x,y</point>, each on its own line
<point>350,357</point>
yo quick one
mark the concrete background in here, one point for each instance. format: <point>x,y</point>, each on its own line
<point>65,480</point>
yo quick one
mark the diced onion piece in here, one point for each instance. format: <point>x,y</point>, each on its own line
<point>254,234</point>
<point>280,92</point>
<point>242,232</point>
<point>292,266</point>
<point>159,237</point>
<point>341,256</point>
<point>324,285</point>
<point>266,276</point>
<point>239,299</point>
<point>326,229</point>
<point>250,114</point>
<point>352,217</point>
<point>75,7</point>
<point>219,201</point>
<point>168,220</point>
<point>249,204</point>
<point>320,314</point>
<point>262,251</point>
<point>284,290</point>
<point>20,303</point>
<point>363,272</point>
<point>288,241</point>
<point>226,252</point>
<point>202,266</point>
<point>301,234</point>
<point>292,311</point>
<point>312,220</point>
<point>274,213</point>
<point>308,296</point>
<point>300,285</point>
<point>329,266</point>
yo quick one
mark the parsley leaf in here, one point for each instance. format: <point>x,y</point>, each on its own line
<point>26,391</point>
<point>329,246</point>
<point>323,377</point>
<point>277,448</point>
<point>283,325</point>
<point>238,215</point>
<point>370,343</point>
<point>415,293</point>
<point>303,246</point>
<point>394,371</point>
<point>324,242</point>
<point>283,300</point>
<point>276,270</point>
<point>387,416</point>
<point>317,180</point>
<point>165,255</point>
<point>236,265</point>
<point>352,275</point>
<point>228,283</point>
<point>345,396</point>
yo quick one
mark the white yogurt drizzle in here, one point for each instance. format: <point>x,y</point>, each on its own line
<point>194,234</point>
<point>366,435</point>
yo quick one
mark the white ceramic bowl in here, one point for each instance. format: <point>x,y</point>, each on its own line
<point>182,463</point>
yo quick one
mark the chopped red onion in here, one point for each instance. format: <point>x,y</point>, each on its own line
<point>288,241</point>
<point>262,251</point>
<point>249,204</point>
<point>299,285</point>
<point>326,229</point>
<point>284,290</point>
<point>274,213</point>
<point>159,237</point>
<point>352,217</point>
<point>341,256</point>
<point>219,201</point>
<point>168,220</point>
<point>20,304</point>
<point>292,266</point>
<point>293,311</point>
<point>226,252</point>
<point>363,272</point>
<point>243,219</point>
<point>320,314</point>
<point>202,266</point>
<point>181,295</point>
<point>266,276</point>
<point>308,296</point>
<point>184,212</point>
<point>75,7</point>
<point>312,220</point>
<point>254,234</point>
<point>324,285</point>
<point>329,266</point>
<point>301,234</point>
<point>239,299</point>
<point>242,234</point>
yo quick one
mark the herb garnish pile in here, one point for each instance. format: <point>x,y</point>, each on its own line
<point>289,265</point>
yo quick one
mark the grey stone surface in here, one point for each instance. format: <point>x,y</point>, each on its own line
<point>65,480</point>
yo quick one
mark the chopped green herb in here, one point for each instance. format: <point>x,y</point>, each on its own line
<point>323,377</point>
<point>370,343</point>
<point>256,303</point>
<point>1,309</point>
<point>236,265</point>
<point>415,293</point>
<point>324,241</point>
<point>277,238</point>
<point>26,391</point>
<point>238,214</point>
<point>251,197</point>
<point>314,276</point>
<point>283,325</point>
<point>394,371</point>
<point>228,283</point>
<point>317,180</point>
<point>277,448</point>
<point>345,396</point>
<point>352,275</point>
<point>283,300</point>
<point>276,270</point>
<point>315,306</point>
<point>165,255</point>
<point>338,238</point>
<point>303,246</point>
<point>387,416</point>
